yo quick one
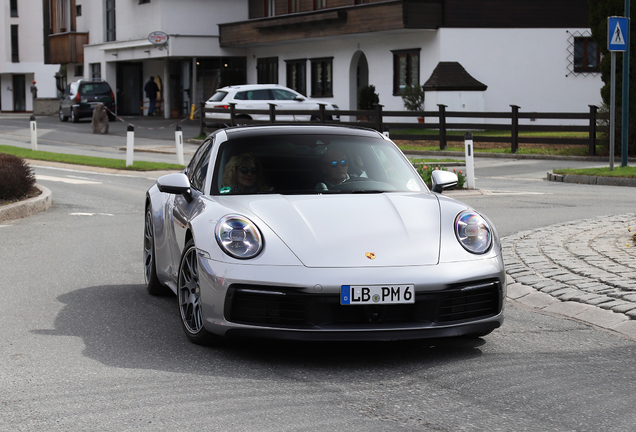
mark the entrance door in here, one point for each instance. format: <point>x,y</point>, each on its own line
<point>129,88</point>
<point>19,93</point>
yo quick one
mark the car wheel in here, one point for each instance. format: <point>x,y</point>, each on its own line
<point>74,116</point>
<point>189,298</point>
<point>153,285</point>
<point>63,118</point>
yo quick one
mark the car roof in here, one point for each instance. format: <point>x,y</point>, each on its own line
<point>253,87</point>
<point>271,130</point>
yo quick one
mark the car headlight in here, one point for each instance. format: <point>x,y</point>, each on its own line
<point>238,237</point>
<point>473,232</point>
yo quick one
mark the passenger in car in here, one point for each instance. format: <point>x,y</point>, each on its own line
<point>243,174</point>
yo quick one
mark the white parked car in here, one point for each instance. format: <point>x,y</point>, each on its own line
<point>259,96</point>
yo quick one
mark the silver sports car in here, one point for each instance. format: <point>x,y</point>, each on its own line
<point>318,233</point>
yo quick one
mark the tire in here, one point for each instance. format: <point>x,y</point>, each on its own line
<point>153,285</point>
<point>63,118</point>
<point>189,299</point>
<point>111,117</point>
<point>74,116</point>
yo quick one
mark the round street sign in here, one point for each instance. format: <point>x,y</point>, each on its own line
<point>158,37</point>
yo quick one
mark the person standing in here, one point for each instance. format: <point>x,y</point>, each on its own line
<point>151,90</point>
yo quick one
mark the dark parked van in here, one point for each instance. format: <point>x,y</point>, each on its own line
<point>80,98</point>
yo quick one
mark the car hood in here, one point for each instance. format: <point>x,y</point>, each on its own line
<point>348,230</point>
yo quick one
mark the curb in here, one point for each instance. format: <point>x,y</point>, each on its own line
<point>539,301</point>
<point>29,207</point>
<point>592,180</point>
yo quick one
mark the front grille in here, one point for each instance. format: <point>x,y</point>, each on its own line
<point>285,307</point>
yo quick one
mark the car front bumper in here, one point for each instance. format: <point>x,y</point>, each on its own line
<point>268,301</point>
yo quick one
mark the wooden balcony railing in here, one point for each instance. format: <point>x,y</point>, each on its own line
<point>67,47</point>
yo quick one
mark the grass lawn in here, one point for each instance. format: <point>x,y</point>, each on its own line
<point>87,160</point>
<point>629,172</point>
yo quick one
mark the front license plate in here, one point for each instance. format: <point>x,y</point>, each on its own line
<point>376,294</point>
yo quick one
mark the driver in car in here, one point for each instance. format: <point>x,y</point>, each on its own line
<point>334,166</point>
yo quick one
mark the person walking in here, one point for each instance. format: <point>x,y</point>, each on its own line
<point>151,90</point>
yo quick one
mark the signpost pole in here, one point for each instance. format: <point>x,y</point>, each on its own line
<point>618,40</point>
<point>612,129</point>
<point>625,113</point>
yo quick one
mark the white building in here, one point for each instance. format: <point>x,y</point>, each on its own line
<point>537,54</point>
<point>22,57</point>
<point>114,37</point>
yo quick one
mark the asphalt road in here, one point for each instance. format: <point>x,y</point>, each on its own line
<point>83,347</point>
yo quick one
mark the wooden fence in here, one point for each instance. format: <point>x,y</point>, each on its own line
<point>376,119</point>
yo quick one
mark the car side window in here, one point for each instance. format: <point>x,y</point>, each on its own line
<point>283,95</point>
<point>198,155</point>
<point>197,181</point>
<point>240,96</point>
<point>259,95</point>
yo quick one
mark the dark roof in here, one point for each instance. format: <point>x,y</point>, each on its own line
<point>451,76</point>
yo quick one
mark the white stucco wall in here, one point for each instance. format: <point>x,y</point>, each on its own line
<point>31,54</point>
<point>525,67</point>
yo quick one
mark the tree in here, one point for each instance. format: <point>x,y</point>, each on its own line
<point>599,11</point>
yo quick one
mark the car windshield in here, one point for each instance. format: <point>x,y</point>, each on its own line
<point>312,164</point>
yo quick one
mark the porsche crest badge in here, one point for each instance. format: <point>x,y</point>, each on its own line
<point>370,255</point>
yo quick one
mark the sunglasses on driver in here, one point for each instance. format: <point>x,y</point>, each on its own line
<point>246,170</point>
<point>334,164</point>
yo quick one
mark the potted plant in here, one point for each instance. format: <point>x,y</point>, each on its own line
<point>367,99</point>
<point>413,98</point>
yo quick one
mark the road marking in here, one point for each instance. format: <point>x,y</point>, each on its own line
<point>503,192</point>
<point>65,179</point>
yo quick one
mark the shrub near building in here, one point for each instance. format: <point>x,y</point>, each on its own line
<point>17,180</point>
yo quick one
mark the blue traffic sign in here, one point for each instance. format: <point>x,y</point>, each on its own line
<point>617,33</point>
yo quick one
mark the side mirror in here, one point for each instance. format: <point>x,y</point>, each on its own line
<point>176,183</point>
<point>443,180</point>
<point>299,99</point>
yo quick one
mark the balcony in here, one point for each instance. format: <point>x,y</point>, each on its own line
<point>67,47</point>
<point>363,18</point>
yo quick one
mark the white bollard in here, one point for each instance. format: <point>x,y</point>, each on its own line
<point>130,145</point>
<point>178,141</point>
<point>470,163</point>
<point>34,134</point>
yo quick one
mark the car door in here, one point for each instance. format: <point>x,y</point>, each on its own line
<point>258,100</point>
<point>287,100</point>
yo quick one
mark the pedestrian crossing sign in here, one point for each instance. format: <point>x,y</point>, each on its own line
<point>617,33</point>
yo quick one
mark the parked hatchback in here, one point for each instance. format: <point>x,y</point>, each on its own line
<point>259,96</point>
<point>80,98</point>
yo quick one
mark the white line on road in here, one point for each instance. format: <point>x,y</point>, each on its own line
<point>65,179</point>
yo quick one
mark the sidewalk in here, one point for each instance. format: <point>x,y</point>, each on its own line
<point>584,270</point>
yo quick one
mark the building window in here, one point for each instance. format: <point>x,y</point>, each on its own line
<point>587,55</point>
<point>96,70</point>
<point>321,77</point>
<point>406,69</point>
<point>293,6</point>
<point>269,8</point>
<point>79,70</point>
<point>320,4</point>
<point>144,1</point>
<point>78,10</point>
<point>15,56</point>
<point>110,21</point>
<point>267,70</point>
<point>297,75</point>
<point>14,8</point>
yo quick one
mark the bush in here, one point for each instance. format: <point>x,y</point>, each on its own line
<point>16,178</point>
<point>413,98</point>
<point>368,98</point>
